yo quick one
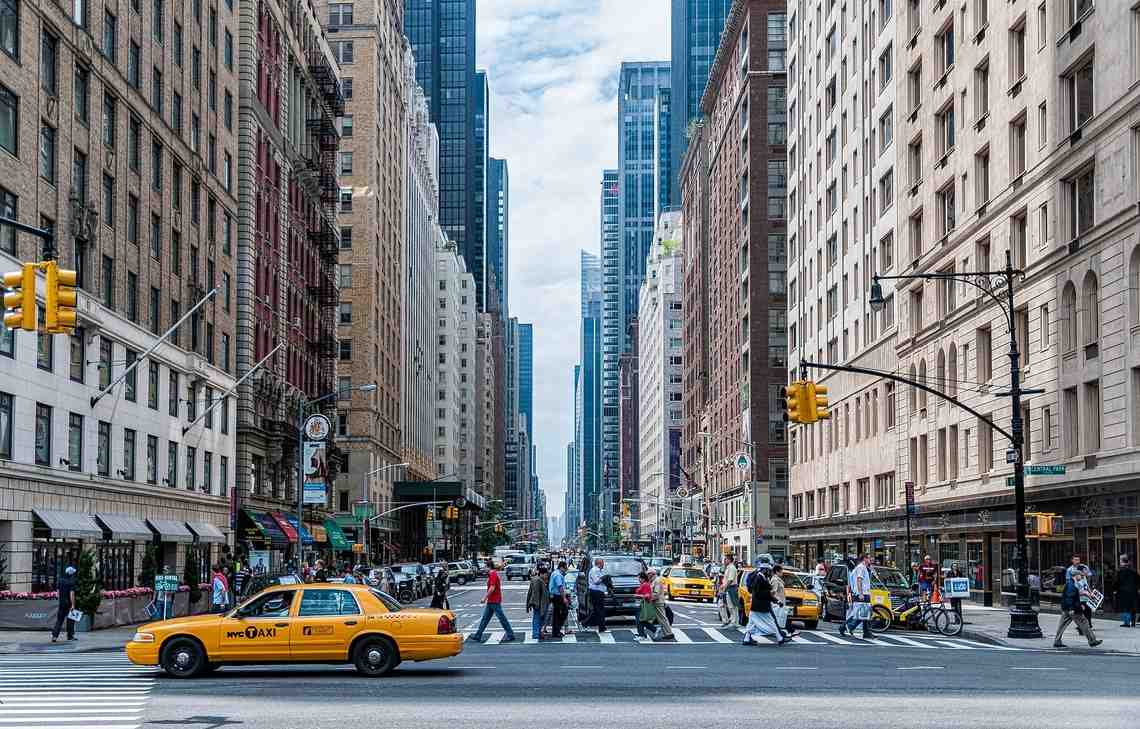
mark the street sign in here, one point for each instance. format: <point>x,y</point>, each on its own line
<point>1011,456</point>
<point>166,583</point>
<point>956,587</point>
<point>1049,470</point>
<point>742,461</point>
<point>362,510</point>
<point>911,508</point>
<point>358,547</point>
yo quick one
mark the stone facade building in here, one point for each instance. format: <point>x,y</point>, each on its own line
<point>118,132</point>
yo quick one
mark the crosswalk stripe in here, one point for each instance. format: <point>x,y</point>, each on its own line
<point>833,638</point>
<point>974,643</point>
<point>529,637</point>
<point>569,638</point>
<point>955,646</point>
<point>495,637</point>
<point>681,636</point>
<point>8,710</point>
<point>906,641</point>
<point>716,635</point>
<point>69,691</point>
<point>93,701</point>
<point>607,637</point>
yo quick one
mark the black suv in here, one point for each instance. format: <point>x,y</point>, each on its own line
<point>622,571</point>
<point>882,578</point>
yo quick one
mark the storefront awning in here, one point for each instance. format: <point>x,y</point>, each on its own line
<point>336,536</point>
<point>69,524</point>
<point>320,536</point>
<point>206,532</point>
<point>264,529</point>
<point>125,528</point>
<point>171,531</point>
<point>306,538</point>
<point>284,525</point>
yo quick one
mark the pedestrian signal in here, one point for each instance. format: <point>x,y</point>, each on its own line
<point>20,298</point>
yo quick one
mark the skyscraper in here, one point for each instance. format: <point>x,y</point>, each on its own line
<point>588,396</point>
<point>526,376</point>
<point>442,34</point>
<point>696,27</point>
<point>498,229</point>
<point>477,231</point>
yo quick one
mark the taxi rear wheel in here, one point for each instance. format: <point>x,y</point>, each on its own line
<point>376,657</point>
<point>183,658</point>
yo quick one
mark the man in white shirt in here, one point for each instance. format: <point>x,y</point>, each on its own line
<point>859,586</point>
<point>598,592</point>
<point>729,588</point>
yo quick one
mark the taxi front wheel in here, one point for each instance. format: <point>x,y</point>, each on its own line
<point>375,657</point>
<point>183,658</point>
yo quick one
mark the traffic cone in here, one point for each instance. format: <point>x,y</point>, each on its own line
<point>936,598</point>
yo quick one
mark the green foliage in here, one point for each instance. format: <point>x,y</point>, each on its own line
<point>88,587</point>
<point>488,538</point>
<point>3,568</point>
<point>149,568</point>
<point>191,577</point>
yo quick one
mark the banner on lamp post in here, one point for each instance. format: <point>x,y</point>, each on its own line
<point>316,473</point>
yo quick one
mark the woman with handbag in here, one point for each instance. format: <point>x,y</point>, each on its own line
<point>646,613</point>
<point>659,590</point>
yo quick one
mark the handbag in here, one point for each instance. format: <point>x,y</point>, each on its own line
<point>647,613</point>
<point>862,610</point>
<point>75,615</point>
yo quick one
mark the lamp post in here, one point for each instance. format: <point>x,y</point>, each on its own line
<point>1023,622</point>
<point>303,412</point>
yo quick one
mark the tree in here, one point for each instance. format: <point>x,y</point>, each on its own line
<point>192,579</point>
<point>3,568</point>
<point>489,538</point>
<point>146,577</point>
<point>88,586</point>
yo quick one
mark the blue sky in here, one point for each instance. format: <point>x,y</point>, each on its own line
<point>553,69</point>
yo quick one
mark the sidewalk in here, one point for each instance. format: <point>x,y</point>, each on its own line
<point>39,641</point>
<point>991,625</point>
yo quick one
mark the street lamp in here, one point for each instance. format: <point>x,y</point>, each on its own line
<point>303,411</point>
<point>1023,619</point>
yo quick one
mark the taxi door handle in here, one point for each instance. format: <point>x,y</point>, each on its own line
<point>350,622</point>
<point>282,625</point>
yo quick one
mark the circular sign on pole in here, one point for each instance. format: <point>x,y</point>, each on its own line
<point>317,427</point>
<point>461,502</point>
<point>682,492</point>
<point>742,461</point>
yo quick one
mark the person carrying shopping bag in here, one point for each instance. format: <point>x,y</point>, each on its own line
<point>647,611</point>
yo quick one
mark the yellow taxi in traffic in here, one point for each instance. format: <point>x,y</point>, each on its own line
<point>802,603</point>
<point>688,582</point>
<point>303,623</point>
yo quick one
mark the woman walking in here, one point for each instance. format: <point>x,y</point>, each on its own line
<point>647,612</point>
<point>439,592</point>
<point>659,591</point>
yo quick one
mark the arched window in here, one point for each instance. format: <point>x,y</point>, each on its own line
<point>940,372</point>
<point>1090,304</point>
<point>1134,287</point>
<point>922,381</point>
<point>952,368</point>
<point>1069,317</point>
<point>913,399</point>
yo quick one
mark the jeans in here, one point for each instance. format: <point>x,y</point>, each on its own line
<point>536,621</point>
<point>732,599</point>
<point>558,614</point>
<point>598,609</point>
<point>60,618</point>
<point>496,609</point>
<point>1127,618</point>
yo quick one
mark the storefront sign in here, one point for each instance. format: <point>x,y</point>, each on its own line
<point>956,587</point>
<point>358,547</point>
<point>316,473</point>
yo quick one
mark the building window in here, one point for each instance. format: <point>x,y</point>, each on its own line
<point>43,435</point>
<point>10,28</point>
<point>171,479</point>
<point>944,48</point>
<point>131,389</point>
<point>947,213</point>
<point>946,130</point>
<point>982,177</point>
<point>74,442</point>
<point>151,459</point>
<point>47,153</point>
<point>78,354</point>
<point>172,394</point>
<point>9,122</point>
<point>1079,202</point>
<point>1017,53</point>
<point>45,347</point>
<point>191,468</point>
<point>343,51</point>
<point>1092,422</point>
<point>1078,87</point>
<point>49,63</point>
<point>129,438</point>
<point>103,449</point>
<point>1017,146</point>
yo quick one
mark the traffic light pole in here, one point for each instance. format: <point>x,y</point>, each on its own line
<point>47,236</point>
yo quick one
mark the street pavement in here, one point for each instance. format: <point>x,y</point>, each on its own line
<point>907,680</point>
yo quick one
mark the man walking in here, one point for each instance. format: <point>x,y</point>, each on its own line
<point>219,591</point>
<point>1126,592</point>
<point>1072,611</point>
<point>559,600</point>
<point>493,605</point>
<point>761,621</point>
<point>927,575</point>
<point>598,589</point>
<point>537,602</point>
<point>66,590</point>
<point>859,587</point>
<point>730,589</point>
<point>660,590</point>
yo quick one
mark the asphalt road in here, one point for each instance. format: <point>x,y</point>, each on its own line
<point>707,683</point>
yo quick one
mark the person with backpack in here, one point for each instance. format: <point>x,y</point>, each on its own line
<point>1073,611</point>
<point>761,620</point>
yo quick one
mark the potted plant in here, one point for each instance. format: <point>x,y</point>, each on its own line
<point>192,579</point>
<point>88,589</point>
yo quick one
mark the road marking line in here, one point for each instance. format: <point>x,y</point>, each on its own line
<point>495,637</point>
<point>908,641</point>
<point>606,637</point>
<point>920,668</point>
<point>716,635</point>
<point>1035,668</point>
<point>480,667</point>
<point>795,668</point>
<point>569,638</point>
<point>686,668</point>
<point>681,636</point>
<point>954,646</point>
<point>93,702</point>
<point>831,638</point>
<point>579,666</point>
<point>988,645</point>
<point>55,710</point>
<point>87,717</point>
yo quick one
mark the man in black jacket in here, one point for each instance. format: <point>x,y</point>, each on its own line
<point>66,589</point>
<point>761,619</point>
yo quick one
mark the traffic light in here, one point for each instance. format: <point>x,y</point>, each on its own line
<point>20,299</point>
<point>796,408</point>
<point>818,401</point>
<point>625,509</point>
<point>60,299</point>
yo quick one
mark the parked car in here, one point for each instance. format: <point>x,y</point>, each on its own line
<point>882,578</point>
<point>460,572</point>
<point>419,573</point>
<point>482,566</point>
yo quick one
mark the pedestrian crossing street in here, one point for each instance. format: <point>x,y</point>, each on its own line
<point>72,691</point>
<point>709,635</point>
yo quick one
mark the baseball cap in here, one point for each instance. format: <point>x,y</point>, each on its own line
<point>69,571</point>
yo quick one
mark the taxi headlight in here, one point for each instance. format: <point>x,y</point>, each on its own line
<point>141,637</point>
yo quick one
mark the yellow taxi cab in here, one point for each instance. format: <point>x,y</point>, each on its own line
<point>303,623</point>
<point>802,603</point>
<point>688,582</point>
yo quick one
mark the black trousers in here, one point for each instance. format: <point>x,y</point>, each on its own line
<point>60,618</point>
<point>558,614</point>
<point>598,609</point>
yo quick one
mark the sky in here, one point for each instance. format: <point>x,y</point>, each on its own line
<point>553,70</point>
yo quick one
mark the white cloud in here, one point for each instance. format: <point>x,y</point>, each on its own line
<point>553,68</point>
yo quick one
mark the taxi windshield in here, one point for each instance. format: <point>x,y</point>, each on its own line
<point>390,602</point>
<point>687,574</point>
<point>888,578</point>
<point>793,581</point>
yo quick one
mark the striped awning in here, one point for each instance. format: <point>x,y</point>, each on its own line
<point>206,532</point>
<point>171,531</point>
<point>69,524</point>
<point>125,528</point>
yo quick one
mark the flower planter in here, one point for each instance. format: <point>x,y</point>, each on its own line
<point>119,607</point>
<point>28,614</point>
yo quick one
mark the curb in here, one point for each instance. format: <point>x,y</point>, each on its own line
<point>42,650</point>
